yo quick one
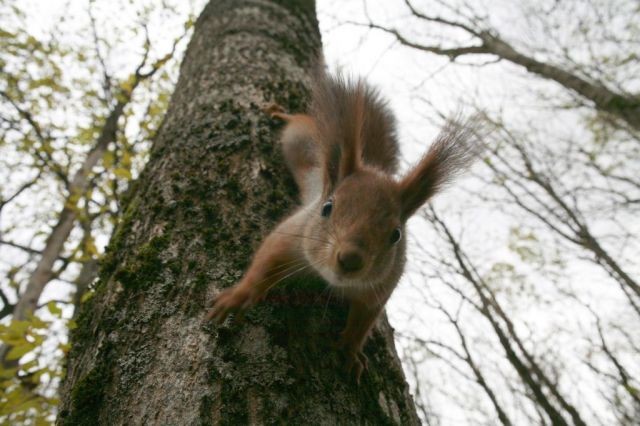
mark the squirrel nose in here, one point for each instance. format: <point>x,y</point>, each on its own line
<point>350,260</point>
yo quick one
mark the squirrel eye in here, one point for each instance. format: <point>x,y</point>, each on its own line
<point>326,208</point>
<point>396,235</point>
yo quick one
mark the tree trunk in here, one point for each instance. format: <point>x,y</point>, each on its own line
<point>213,188</point>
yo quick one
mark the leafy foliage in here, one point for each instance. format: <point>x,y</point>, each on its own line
<point>28,391</point>
<point>83,90</point>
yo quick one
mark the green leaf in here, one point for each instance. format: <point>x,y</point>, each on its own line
<point>37,323</point>
<point>54,309</point>
<point>8,373</point>
<point>88,295</point>
<point>19,327</point>
<point>108,159</point>
<point>29,404</point>
<point>29,365</point>
<point>18,352</point>
<point>65,347</point>
<point>122,173</point>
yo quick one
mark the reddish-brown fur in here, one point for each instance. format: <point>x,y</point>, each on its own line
<point>344,153</point>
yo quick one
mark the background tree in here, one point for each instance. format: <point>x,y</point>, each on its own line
<point>73,133</point>
<point>214,185</point>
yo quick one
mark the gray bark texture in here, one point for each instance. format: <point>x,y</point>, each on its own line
<point>214,186</point>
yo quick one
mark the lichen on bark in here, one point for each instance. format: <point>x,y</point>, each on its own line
<point>214,186</point>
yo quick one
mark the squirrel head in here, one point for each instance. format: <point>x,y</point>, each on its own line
<point>362,228</point>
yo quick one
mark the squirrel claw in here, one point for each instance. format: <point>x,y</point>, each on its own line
<point>230,300</point>
<point>357,362</point>
<point>273,108</point>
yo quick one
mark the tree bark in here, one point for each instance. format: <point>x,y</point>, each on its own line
<point>214,186</point>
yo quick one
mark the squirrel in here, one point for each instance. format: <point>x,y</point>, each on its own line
<point>349,229</point>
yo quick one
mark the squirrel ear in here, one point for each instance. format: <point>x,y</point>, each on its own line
<point>339,109</point>
<point>450,154</point>
<point>418,185</point>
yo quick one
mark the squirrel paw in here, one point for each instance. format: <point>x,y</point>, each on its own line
<point>357,362</point>
<point>274,110</point>
<point>230,300</point>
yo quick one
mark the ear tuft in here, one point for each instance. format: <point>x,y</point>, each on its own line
<point>338,108</point>
<point>454,150</point>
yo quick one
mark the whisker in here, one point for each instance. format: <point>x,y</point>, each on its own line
<point>300,236</point>
<point>329,292</point>
<point>291,265</point>
<point>287,267</point>
<point>295,272</point>
<point>375,293</point>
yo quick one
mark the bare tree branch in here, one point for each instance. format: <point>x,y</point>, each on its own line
<point>624,106</point>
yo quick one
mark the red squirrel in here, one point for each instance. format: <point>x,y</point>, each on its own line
<point>343,156</point>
